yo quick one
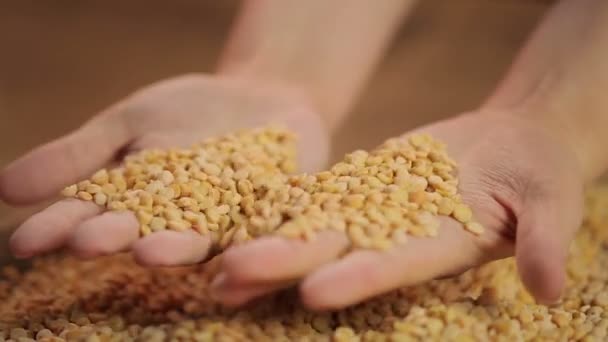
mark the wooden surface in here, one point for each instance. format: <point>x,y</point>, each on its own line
<point>62,61</point>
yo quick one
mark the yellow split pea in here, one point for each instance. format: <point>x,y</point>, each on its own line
<point>240,183</point>
<point>116,300</point>
<point>378,198</point>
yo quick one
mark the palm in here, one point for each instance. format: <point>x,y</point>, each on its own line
<point>506,168</point>
<point>186,110</point>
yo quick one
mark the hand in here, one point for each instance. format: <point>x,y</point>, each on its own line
<point>171,113</point>
<point>523,184</point>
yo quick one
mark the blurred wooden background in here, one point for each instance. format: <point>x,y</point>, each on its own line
<point>61,61</point>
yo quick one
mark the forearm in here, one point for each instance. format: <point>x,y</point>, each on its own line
<point>560,78</point>
<point>328,49</point>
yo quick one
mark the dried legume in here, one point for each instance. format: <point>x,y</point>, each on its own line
<point>113,299</point>
<point>240,182</point>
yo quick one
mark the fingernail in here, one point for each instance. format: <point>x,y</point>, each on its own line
<point>22,256</point>
<point>549,301</point>
<point>217,286</point>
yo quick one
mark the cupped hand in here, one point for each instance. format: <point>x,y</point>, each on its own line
<point>523,184</point>
<point>171,113</point>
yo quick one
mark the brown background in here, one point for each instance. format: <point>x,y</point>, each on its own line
<point>62,61</point>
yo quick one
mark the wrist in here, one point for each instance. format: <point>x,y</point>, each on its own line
<point>285,88</point>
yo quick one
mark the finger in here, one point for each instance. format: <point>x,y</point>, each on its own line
<point>108,233</point>
<point>281,258</point>
<point>51,228</point>
<point>236,294</point>
<point>285,260</point>
<point>366,273</point>
<point>544,232</point>
<point>42,172</point>
<point>171,248</point>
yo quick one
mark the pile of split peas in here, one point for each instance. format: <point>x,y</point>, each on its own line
<point>238,187</point>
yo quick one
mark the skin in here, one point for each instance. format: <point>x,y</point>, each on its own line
<point>524,156</point>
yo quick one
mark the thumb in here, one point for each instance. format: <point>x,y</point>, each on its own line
<point>544,232</point>
<point>43,172</point>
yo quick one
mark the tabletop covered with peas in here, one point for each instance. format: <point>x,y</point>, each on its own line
<point>242,186</point>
